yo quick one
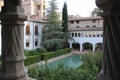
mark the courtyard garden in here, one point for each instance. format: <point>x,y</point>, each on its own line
<point>91,65</point>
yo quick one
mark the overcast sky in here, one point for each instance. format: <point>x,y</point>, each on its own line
<point>80,7</point>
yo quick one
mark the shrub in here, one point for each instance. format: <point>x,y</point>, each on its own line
<point>62,73</point>
<point>49,55</point>
<point>41,50</point>
<point>33,72</point>
<point>91,65</point>
<point>31,53</point>
<point>98,59</point>
<point>32,59</point>
<point>87,71</point>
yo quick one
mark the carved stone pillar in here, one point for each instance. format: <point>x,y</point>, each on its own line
<point>111,39</point>
<point>12,18</point>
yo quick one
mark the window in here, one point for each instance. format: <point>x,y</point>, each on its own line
<point>43,14</point>
<point>98,35</point>
<point>101,35</point>
<point>94,26</point>
<point>36,30</point>
<point>77,26</point>
<point>77,21</point>
<point>78,34</point>
<point>75,34</point>
<point>87,26</point>
<point>93,35</point>
<point>93,21</point>
<point>72,34</point>
<point>36,43</point>
<point>89,35</point>
<point>72,22</point>
<point>43,7</point>
<point>37,14</point>
<point>27,29</point>
<point>27,44</point>
<point>38,7</point>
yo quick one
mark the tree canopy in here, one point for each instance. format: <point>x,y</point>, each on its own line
<point>53,38</point>
<point>96,12</point>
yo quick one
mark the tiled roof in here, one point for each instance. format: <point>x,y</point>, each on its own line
<point>86,29</point>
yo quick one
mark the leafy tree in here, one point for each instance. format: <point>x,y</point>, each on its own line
<point>96,12</point>
<point>65,18</point>
<point>53,38</point>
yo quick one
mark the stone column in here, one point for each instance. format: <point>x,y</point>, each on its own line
<point>12,18</point>
<point>111,39</point>
<point>81,47</point>
<point>93,48</point>
<point>70,45</point>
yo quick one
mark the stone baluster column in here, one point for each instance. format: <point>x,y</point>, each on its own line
<point>12,20</point>
<point>111,39</point>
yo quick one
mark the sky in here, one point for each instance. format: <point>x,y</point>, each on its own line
<point>80,7</point>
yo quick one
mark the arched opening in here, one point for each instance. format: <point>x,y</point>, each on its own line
<point>98,46</point>
<point>36,30</point>
<point>67,45</point>
<point>87,46</point>
<point>27,29</point>
<point>76,46</point>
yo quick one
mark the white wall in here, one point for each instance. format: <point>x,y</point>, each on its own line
<point>32,37</point>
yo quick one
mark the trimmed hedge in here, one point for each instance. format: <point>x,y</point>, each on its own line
<point>41,50</point>
<point>32,59</point>
<point>31,53</point>
<point>49,55</point>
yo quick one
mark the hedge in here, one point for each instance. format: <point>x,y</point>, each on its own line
<point>41,50</point>
<point>36,57</point>
<point>31,53</point>
<point>32,59</point>
<point>49,55</point>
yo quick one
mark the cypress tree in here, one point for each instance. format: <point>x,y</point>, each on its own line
<point>65,18</point>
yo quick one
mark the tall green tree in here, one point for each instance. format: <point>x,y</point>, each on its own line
<point>53,38</point>
<point>65,18</point>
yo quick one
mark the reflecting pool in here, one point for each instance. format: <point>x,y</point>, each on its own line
<point>72,61</point>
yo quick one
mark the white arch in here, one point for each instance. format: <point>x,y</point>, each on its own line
<point>82,40</point>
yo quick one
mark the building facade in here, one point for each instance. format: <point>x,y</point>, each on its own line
<point>34,9</point>
<point>1,4</point>
<point>87,33</point>
<point>33,34</point>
